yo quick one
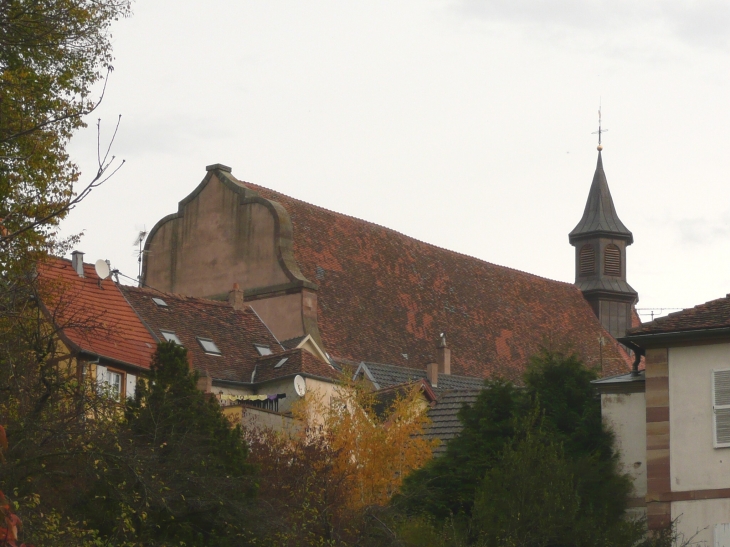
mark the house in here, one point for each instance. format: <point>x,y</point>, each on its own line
<point>364,293</point>
<point>111,332</point>
<point>673,420</point>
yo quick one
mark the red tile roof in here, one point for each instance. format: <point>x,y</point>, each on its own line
<point>710,315</point>
<point>234,331</point>
<point>93,315</point>
<point>298,361</point>
<point>385,297</point>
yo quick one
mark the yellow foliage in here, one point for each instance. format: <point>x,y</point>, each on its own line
<point>372,452</point>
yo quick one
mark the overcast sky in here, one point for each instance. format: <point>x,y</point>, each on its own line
<point>463,123</point>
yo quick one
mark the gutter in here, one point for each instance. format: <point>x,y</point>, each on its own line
<point>635,341</point>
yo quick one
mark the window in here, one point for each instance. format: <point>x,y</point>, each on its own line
<point>263,350</point>
<point>280,363</point>
<point>110,382</point>
<point>209,346</point>
<point>612,260</point>
<point>587,260</point>
<point>721,407</point>
<point>171,337</point>
<point>160,302</point>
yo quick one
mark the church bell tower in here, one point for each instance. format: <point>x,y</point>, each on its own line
<point>600,240</point>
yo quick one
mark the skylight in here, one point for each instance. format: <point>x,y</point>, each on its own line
<point>263,350</point>
<point>171,337</point>
<point>209,346</point>
<point>280,363</point>
<point>160,302</point>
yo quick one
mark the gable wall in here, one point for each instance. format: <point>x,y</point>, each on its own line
<point>214,242</point>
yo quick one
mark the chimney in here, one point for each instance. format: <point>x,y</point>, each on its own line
<point>444,356</point>
<point>235,298</point>
<point>432,373</point>
<point>77,261</point>
<point>205,382</point>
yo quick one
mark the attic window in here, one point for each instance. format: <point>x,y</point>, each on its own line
<point>171,337</point>
<point>612,260</point>
<point>263,350</point>
<point>587,260</point>
<point>209,346</point>
<point>160,302</point>
<point>280,363</point>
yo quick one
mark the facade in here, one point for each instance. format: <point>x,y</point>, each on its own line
<point>365,293</point>
<point>675,417</point>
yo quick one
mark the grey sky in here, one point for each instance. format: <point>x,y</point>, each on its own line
<point>466,124</point>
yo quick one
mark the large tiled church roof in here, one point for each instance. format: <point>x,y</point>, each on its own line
<point>385,297</point>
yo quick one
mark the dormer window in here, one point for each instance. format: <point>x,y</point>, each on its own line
<point>263,350</point>
<point>209,346</point>
<point>170,337</point>
<point>612,260</point>
<point>587,260</point>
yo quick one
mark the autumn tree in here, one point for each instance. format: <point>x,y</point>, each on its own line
<point>52,52</point>
<point>328,479</point>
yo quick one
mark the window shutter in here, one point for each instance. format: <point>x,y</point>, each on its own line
<point>612,261</point>
<point>131,386</point>
<point>721,406</point>
<point>101,375</point>
<point>587,260</point>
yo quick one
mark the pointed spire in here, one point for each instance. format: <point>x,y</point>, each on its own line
<point>600,217</point>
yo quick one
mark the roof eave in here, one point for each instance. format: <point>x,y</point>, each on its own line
<point>660,339</point>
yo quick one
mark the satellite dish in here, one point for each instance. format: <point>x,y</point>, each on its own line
<point>102,269</point>
<point>300,386</point>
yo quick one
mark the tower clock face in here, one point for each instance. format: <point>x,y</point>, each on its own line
<point>300,385</point>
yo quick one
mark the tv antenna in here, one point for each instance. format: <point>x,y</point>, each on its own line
<point>600,130</point>
<point>138,243</point>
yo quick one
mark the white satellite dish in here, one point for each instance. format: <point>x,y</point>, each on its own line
<point>102,269</point>
<point>300,386</point>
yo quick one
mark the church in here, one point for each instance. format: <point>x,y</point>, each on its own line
<point>361,293</point>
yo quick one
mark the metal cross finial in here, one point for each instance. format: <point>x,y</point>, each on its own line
<point>600,131</point>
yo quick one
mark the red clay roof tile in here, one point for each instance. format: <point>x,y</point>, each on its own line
<point>710,315</point>
<point>385,297</point>
<point>93,315</point>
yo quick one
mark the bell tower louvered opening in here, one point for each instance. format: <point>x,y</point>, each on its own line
<point>612,260</point>
<point>587,260</point>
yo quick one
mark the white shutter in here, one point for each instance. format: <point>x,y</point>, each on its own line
<point>722,535</point>
<point>131,385</point>
<point>721,407</point>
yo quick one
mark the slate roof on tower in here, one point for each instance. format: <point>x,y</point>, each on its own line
<point>384,297</point>
<point>600,217</point>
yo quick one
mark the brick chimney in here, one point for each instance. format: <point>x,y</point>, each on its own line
<point>77,262</point>
<point>205,382</point>
<point>235,297</point>
<point>444,356</point>
<point>432,373</point>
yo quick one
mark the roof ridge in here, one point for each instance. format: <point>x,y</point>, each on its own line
<point>255,186</point>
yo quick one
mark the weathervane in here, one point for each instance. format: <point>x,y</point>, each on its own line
<point>600,146</point>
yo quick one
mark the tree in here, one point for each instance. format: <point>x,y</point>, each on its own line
<point>52,52</point>
<point>509,434</point>
<point>187,463</point>
<point>328,480</point>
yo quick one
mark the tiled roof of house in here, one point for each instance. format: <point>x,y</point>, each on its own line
<point>93,315</point>
<point>293,361</point>
<point>710,315</point>
<point>445,424</point>
<point>385,297</point>
<point>234,332</point>
<point>384,376</point>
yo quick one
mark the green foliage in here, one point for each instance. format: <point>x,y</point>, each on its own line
<point>191,466</point>
<point>51,54</point>
<point>532,466</point>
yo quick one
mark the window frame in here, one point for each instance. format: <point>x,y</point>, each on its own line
<point>201,340</point>
<point>174,338</point>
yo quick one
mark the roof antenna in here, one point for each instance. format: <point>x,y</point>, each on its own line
<point>138,243</point>
<point>600,131</point>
